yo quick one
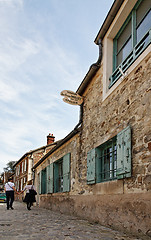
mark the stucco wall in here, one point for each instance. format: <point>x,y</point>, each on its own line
<point>129,213</point>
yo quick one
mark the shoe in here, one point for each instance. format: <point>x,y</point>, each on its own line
<point>7,208</point>
<point>12,208</point>
<point>29,208</point>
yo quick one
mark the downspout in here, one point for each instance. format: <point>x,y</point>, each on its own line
<point>94,67</point>
<point>99,43</point>
<point>81,117</point>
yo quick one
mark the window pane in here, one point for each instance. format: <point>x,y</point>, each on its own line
<point>142,10</point>
<point>144,27</point>
<point>127,48</point>
<point>124,36</point>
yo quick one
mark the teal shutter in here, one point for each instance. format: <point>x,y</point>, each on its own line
<point>47,179</point>
<point>40,182</point>
<point>91,167</point>
<point>66,173</point>
<point>49,174</point>
<point>51,178</point>
<point>98,164</point>
<point>124,153</point>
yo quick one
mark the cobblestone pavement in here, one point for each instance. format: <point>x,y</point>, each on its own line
<point>45,224</point>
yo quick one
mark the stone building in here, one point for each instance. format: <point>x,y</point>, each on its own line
<point>101,171</point>
<point>23,167</point>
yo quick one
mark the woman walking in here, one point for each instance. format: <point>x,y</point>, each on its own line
<point>30,194</point>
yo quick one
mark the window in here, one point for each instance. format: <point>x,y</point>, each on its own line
<point>62,174</point>
<point>132,39</point>
<point>111,160</point>
<point>108,157</point>
<point>43,181</point>
<point>25,165</point>
<point>56,176</point>
<point>22,167</point>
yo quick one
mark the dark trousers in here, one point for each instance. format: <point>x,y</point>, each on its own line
<point>29,205</point>
<point>9,199</point>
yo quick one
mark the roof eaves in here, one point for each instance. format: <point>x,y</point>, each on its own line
<point>61,142</point>
<point>104,28</point>
<point>108,20</point>
<point>90,74</point>
<point>32,151</point>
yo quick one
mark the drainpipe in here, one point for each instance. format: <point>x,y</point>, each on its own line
<point>93,69</point>
<point>81,117</point>
<point>99,43</point>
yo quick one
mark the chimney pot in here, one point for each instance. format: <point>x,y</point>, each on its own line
<point>50,138</point>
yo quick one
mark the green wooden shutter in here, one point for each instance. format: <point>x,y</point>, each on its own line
<point>40,182</point>
<point>51,178</point>
<point>124,153</point>
<point>98,164</point>
<point>91,167</point>
<point>47,178</point>
<point>49,174</point>
<point>66,173</point>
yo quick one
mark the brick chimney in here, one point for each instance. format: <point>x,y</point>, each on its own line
<point>50,139</point>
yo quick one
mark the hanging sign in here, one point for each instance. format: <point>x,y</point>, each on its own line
<point>71,97</point>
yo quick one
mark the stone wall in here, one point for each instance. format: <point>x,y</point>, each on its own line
<point>120,204</point>
<point>129,104</point>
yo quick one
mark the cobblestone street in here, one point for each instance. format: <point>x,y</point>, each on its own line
<point>44,224</point>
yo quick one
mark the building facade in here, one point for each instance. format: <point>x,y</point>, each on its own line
<point>102,170</point>
<point>23,167</point>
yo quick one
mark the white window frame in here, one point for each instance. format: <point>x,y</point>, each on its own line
<point>107,60</point>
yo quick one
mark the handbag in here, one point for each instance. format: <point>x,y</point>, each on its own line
<point>32,191</point>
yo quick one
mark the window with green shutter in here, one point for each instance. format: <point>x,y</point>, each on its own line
<point>43,181</point>
<point>107,160</point>
<point>132,39</point>
<point>62,174</point>
<point>111,160</point>
<point>40,182</point>
<point>58,176</point>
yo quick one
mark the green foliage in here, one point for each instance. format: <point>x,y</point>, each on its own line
<point>10,166</point>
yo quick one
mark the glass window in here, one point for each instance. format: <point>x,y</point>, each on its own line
<point>58,176</point>
<point>132,39</point>
<point>144,26</point>
<point>108,159</point>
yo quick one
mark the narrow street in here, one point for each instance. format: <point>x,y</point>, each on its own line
<point>44,224</point>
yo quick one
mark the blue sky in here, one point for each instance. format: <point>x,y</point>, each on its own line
<point>46,46</point>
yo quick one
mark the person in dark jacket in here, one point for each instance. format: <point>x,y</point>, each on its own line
<point>29,197</point>
<point>10,189</point>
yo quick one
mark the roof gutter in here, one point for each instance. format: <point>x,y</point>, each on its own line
<point>108,20</point>
<point>92,71</point>
<point>98,41</point>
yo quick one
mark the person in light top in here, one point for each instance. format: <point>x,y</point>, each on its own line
<point>29,198</point>
<point>9,190</point>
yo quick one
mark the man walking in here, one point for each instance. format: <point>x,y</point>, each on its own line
<point>9,189</point>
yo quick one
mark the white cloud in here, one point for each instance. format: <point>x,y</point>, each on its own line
<point>12,3</point>
<point>39,57</point>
